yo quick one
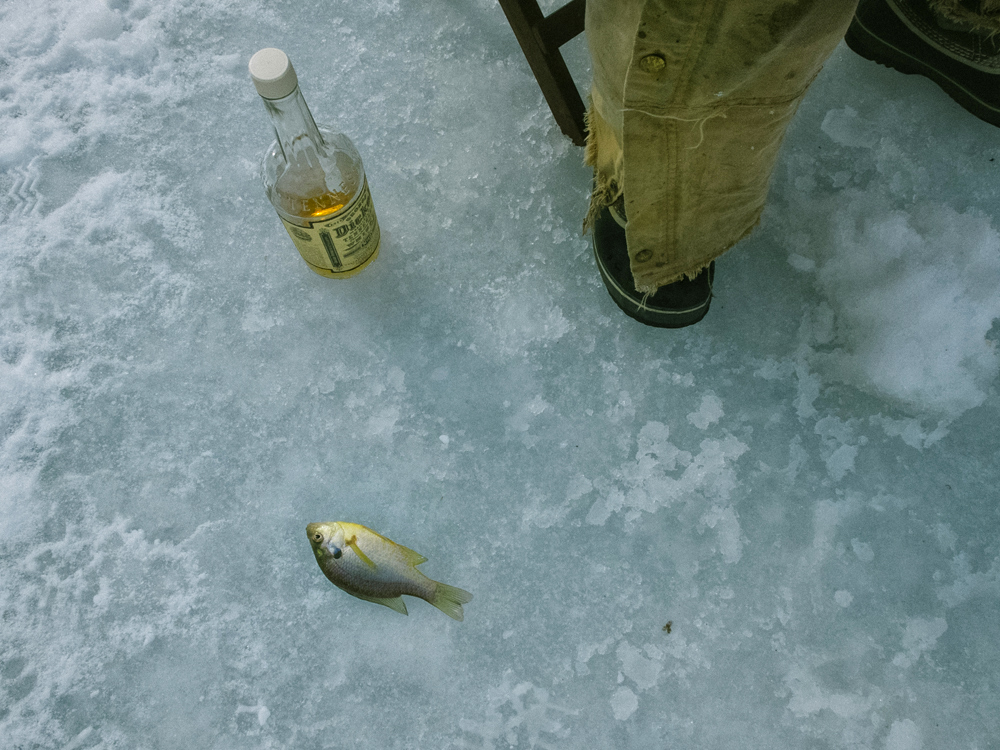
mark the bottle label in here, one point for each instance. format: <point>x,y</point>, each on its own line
<point>342,242</point>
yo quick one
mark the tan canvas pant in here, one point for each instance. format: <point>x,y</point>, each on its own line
<point>690,102</point>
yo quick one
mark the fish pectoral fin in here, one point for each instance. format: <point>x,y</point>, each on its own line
<point>395,602</point>
<point>353,543</point>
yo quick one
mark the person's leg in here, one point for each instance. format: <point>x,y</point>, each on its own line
<point>955,43</point>
<point>689,105</point>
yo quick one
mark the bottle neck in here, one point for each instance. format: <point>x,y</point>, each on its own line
<point>295,128</point>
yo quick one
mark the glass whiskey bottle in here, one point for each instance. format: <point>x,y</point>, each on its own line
<point>313,177</point>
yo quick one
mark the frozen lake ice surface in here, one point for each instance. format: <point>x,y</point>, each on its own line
<point>804,485</point>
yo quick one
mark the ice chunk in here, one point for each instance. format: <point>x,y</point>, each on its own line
<point>623,703</point>
<point>862,550</point>
<point>645,673</point>
<point>921,635</point>
<point>726,523</point>
<point>708,413</point>
<point>904,735</point>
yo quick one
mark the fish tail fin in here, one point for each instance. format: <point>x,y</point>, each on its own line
<point>449,599</point>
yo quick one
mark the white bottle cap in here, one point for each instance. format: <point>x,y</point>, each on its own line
<point>272,73</point>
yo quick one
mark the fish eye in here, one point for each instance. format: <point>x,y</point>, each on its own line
<point>337,552</point>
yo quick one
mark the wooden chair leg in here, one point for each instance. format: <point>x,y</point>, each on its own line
<point>540,37</point>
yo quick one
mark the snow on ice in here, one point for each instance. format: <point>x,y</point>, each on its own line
<point>804,484</point>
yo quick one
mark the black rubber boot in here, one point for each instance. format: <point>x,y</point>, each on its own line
<point>676,305</point>
<point>913,39</point>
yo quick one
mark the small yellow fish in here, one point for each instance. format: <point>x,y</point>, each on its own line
<point>369,566</point>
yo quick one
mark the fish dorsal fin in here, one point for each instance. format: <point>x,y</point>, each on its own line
<point>413,558</point>
<point>409,556</point>
<point>395,602</point>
